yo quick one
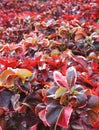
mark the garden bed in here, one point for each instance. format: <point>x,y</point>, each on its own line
<point>49,65</point>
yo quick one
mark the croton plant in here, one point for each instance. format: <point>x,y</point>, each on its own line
<point>49,65</point>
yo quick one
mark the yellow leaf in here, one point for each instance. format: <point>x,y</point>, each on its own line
<point>61,91</point>
<point>23,74</point>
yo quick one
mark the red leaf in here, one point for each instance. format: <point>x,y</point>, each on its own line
<point>42,116</point>
<point>60,79</point>
<point>65,117</point>
<point>81,60</point>
<point>34,127</point>
<point>94,65</point>
<point>64,68</point>
<point>96,124</point>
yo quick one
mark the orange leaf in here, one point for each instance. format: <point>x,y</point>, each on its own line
<point>7,78</point>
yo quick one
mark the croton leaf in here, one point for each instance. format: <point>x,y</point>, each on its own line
<point>52,112</point>
<point>60,79</point>
<point>71,76</point>
<point>65,117</point>
<point>93,103</point>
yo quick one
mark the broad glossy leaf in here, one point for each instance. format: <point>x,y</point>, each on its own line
<point>51,90</point>
<point>78,37</point>
<point>71,76</point>
<point>77,88</point>
<point>65,117</point>
<point>96,124</point>
<point>15,101</point>
<point>80,33</point>
<point>92,117</point>
<point>77,126</point>
<point>64,100</point>
<point>23,74</point>
<point>7,78</point>
<point>42,116</point>
<point>60,79</point>
<point>52,112</point>
<point>33,99</point>
<point>81,100</point>
<point>60,91</point>
<point>39,107</point>
<point>81,60</point>
<point>93,103</point>
<point>5,98</point>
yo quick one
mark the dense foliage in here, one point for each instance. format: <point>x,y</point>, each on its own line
<point>49,65</point>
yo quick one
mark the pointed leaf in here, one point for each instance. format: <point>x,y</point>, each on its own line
<point>60,79</point>
<point>71,76</point>
<point>65,117</point>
